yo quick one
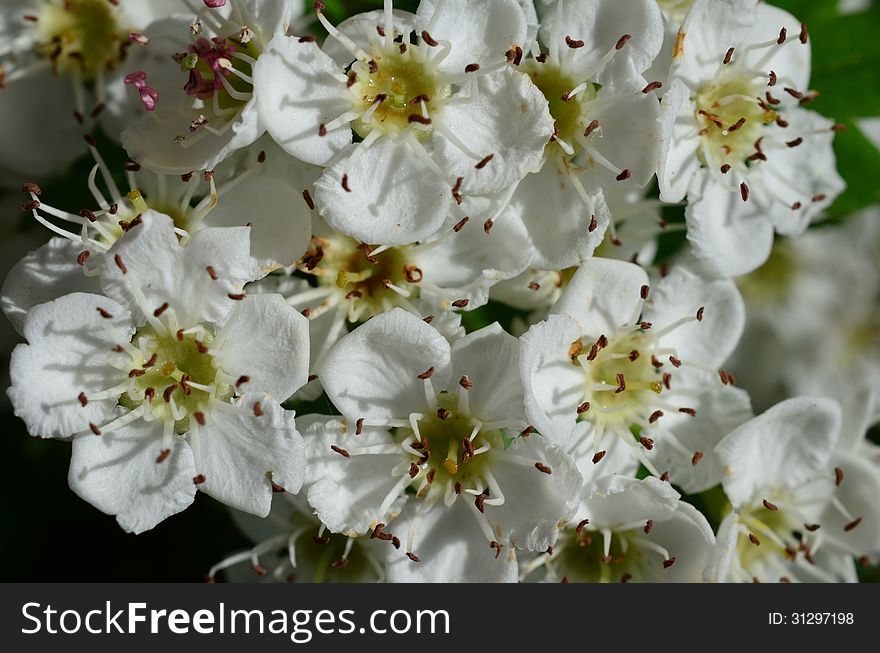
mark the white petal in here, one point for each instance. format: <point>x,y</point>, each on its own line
<point>361,28</point>
<point>297,92</point>
<point>858,493</point>
<point>506,117</point>
<point>266,340</point>
<point>553,386</point>
<point>479,31</point>
<point>719,412</point>
<point>680,294</point>
<point>117,473</point>
<point>677,162</point>
<point>347,493</point>
<point>556,217</point>
<point>603,295</point>
<point>600,24</point>
<point>451,546</point>
<point>373,371</point>
<point>489,358</point>
<point>394,197</point>
<point>730,236</point>
<point>724,558</point>
<point>787,445</point>
<point>68,353</point>
<point>535,503</point>
<point>42,275</point>
<point>791,61</point>
<point>241,455</point>
<point>615,500</point>
<point>689,539</point>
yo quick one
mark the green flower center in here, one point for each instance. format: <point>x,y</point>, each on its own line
<point>391,88</point>
<point>732,118</point>
<point>81,35</point>
<point>174,369</point>
<point>581,556</point>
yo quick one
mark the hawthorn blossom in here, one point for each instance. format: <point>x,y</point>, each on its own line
<point>291,545</point>
<point>621,364</point>
<point>629,530</point>
<point>780,481</point>
<point>59,61</point>
<point>606,121</point>
<point>447,422</point>
<point>198,74</point>
<point>406,124</point>
<point>169,381</point>
<point>737,140</point>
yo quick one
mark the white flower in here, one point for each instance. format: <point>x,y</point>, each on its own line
<point>618,363</point>
<point>260,191</point>
<point>630,530</point>
<point>779,479</point>
<point>201,72</point>
<point>59,62</point>
<point>605,121</point>
<point>434,118</point>
<point>737,141</point>
<point>168,382</point>
<point>291,545</point>
<point>448,423</point>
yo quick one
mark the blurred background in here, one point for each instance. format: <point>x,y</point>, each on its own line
<point>49,534</point>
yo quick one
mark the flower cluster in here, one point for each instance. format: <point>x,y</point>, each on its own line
<point>343,211</point>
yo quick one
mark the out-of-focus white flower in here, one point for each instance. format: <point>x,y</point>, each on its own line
<point>199,75</point>
<point>169,382</point>
<point>737,140</point>
<point>620,364</point>
<point>630,530</point>
<point>433,119</point>
<point>59,62</point>
<point>291,545</point>
<point>779,478</point>
<point>448,423</point>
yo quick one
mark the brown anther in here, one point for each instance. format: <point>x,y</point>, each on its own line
<point>725,379</point>
<point>94,428</point>
<point>465,382</point>
<point>598,456</point>
<point>804,35</point>
<point>797,95</point>
<point>170,390</point>
<point>648,526</point>
<point>427,38</point>
<point>377,531</point>
<point>133,374</point>
<point>622,41</point>
<point>652,86</point>
<point>442,413</point>
<point>583,408</point>
<point>342,452</point>
<point>668,563</point>
<point>593,126</point>
<point>769,506</point>
<point>488,224</point>
<point>472,68</point>
<point>482,163</point>
<point>839,127</point>
<point>426,374</point>
<point>417,117</point>
<point>783,33</point>
<point>149,394</point>
<point>688,411</point>
<point>412,273</point>
<point>322,130</point>
<point>728,56</point>
<point>460,224</point>
<point>838,476</point>
<point>623,176</point>
<point>308,38</point>
<point>676,362</point>
<point>667,380</point>
<point>201,347</point>
<point>664,476</point>
<point>413,470</point>
<point>236,296</point>
<point>200,417</point>
<point>655,362</point>
<point>151,361</point>
<point>495,545</point>
<point>744,191</point>
<point>163,454</point>
<point>818,198</point>
<point>737,125</point>
<point>853,524</point>
<point>82,257</point>
<point>812,527</point>
<point>657,414</point>
<point>633,355</point>
<point>621,384</point>
<point>30,205</point>
<point>412,556</point>
<point>772,79</point>
<point>460,303</point>
<point>697,457</point>
<point>700,312</point>
<point>429,477</point>
<point>594,351</point>
<point>593,224</point>
<point>161,309</point>
<point>258,409</point>
<point>526,432</point>
<point>796,206</point>
<point>574,44</point>
<point>479,501</point>
<point>754,540</point>
<point>647,443</point>
<point>795,142</point>
<point>541,467</point>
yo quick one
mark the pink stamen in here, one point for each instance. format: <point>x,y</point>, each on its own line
<point>148,94</point>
